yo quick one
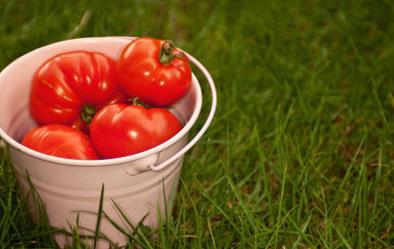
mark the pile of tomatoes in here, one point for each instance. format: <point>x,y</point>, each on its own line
<point>89,106</point>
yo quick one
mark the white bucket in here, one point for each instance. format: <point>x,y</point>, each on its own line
<point>135,182</point>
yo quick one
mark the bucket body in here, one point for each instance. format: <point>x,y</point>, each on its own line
<point>68,187</point>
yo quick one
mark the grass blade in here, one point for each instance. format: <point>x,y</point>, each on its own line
<point>99,216</point>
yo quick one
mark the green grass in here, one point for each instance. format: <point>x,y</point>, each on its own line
<point>300,153</point>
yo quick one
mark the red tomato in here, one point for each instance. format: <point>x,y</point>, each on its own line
<point>71,86</point>
<point>120,130</point>
<point>61,141</point>
<point>154,71</point>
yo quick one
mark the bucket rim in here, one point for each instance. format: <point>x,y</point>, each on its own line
<point>100,162</point>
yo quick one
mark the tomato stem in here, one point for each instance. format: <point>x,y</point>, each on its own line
<point>88,112</point>
<point>137,101</point>
<point>166,53</point>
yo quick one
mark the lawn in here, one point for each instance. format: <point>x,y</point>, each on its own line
<point>300,153</point>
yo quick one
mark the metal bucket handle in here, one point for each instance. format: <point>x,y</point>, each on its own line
<point>208,121</point>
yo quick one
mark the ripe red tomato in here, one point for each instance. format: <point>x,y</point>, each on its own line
<point>120,130</point>
<point>61,141</point>
<point>71,86</point>
<point>154,71</point>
